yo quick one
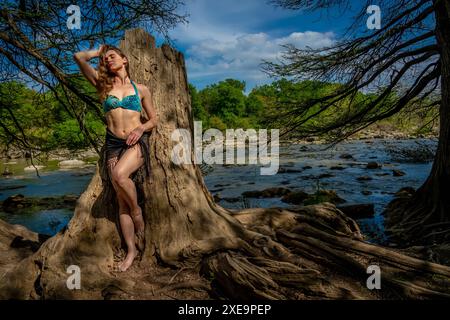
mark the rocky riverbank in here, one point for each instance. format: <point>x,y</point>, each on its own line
<point>18,203</point>
<point>59,154</point>
<point>378,132</point>
<point>371,134</point>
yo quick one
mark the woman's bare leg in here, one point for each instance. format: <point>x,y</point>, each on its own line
<point>127,227</point>
<point>130,161</point>
<point>128,190</point>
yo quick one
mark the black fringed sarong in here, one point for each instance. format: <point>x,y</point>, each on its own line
<point>115,147</point>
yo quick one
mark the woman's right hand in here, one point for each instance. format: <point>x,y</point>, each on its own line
<point>101,49</point>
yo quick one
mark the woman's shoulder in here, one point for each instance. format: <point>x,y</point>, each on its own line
<point>142,88</point>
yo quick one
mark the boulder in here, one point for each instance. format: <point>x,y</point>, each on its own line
<point>325,175</point>
<point>405,192</point>
<point>74,163</point>
<point>295,197</point>
<point>337,168</point>
<point>398,173</point>
<point>14,201</point>
<point>267,193</point>
<point>373,165</point>
<point>33,168</point>
<point>288,170</point>
<point>346,156</point>
<point>324,196</point>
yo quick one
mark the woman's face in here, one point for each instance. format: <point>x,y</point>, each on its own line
<point>114,61</point>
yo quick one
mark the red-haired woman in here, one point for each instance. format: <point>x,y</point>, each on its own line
<point>126,135</point>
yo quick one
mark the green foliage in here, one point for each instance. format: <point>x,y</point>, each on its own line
<point>216,122</point>
<point>67,135</point>
<point>42,119</point>
<point>254,105</point>
<point>223,105</point>
<point>225,99</point>
<point>198,109</point>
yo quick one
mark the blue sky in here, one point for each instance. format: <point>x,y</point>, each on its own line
<point>229,38</point>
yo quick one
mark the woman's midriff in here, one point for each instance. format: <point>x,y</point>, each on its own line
<point>121,121</point>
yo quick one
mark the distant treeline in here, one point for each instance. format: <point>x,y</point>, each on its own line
<point>45,121</point>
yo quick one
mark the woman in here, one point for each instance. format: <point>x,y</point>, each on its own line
<point>126,136</point>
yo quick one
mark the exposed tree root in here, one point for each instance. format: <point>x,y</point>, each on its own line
<point>325,249</point>
<point>391,272</point>
<point>300,258</point>
<point>419,218</point>
<point>387,255</point>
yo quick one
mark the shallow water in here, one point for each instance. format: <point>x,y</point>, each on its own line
<point>45,222</point>
<point>232,181</point>
<point>52,182</point>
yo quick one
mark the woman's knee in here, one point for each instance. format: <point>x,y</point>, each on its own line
<point>119,176</point>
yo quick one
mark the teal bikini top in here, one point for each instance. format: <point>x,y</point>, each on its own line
<point>131,102</point>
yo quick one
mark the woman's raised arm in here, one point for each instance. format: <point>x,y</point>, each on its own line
<point>82,59</point>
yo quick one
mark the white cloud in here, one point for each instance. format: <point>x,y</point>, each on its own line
<point>222,42</point>
<point>241,55</point>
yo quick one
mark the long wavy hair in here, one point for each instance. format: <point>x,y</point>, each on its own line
<point>105,76</point>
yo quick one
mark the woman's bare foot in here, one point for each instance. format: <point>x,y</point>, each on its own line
<point>128,261</point>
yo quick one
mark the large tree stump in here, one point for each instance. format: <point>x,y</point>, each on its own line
<point>195,248</point>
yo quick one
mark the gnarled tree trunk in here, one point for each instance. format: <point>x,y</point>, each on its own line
<point>196,249</point>
<point>424,217</point>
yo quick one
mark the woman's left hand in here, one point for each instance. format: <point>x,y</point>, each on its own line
<point>135,135</point>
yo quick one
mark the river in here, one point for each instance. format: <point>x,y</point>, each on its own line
<point>230,181</point>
